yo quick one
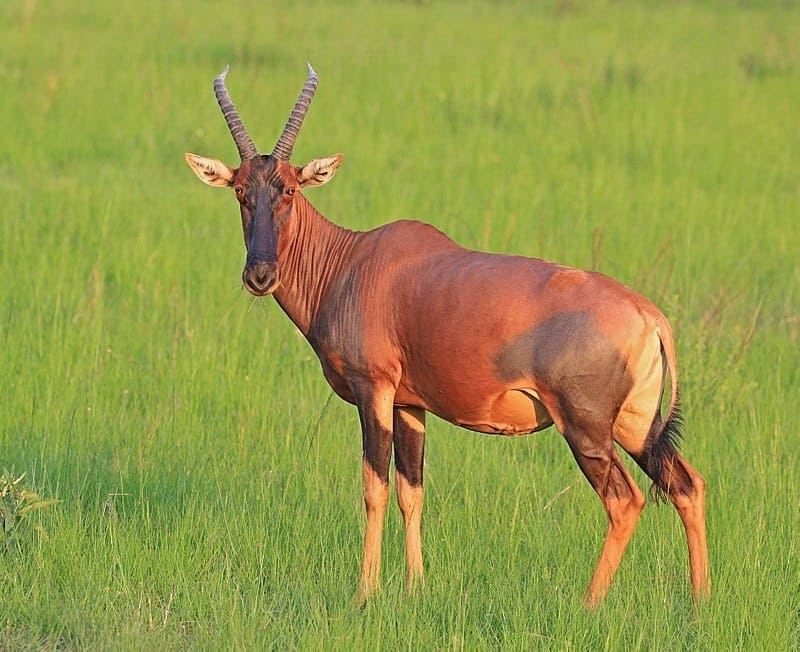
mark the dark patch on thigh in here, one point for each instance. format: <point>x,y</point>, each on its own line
<point>409,450</point>
<point>570,356</point>
<point>377,445</point>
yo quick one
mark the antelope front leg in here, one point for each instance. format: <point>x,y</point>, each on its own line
<point>409,452</point>
<point>375,412</point>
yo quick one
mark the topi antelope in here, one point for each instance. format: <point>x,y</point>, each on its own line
<point>405,321</point>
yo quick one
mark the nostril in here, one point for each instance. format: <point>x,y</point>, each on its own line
<point>261,275</point>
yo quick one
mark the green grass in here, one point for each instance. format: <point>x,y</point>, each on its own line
<point>209,494</point>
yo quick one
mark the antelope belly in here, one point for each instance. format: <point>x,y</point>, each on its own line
<point>514,412</point>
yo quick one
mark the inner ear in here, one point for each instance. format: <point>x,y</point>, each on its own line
<point>210,170</point>
<point>319,170</point>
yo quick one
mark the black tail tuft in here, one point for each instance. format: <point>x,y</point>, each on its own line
<point>661,451</point>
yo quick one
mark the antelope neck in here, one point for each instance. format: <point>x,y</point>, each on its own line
<point>314,254</point>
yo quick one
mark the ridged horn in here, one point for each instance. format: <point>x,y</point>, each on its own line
<point>283,148</point>
<point>244,143</point>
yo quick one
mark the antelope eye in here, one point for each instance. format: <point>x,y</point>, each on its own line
<point>290,190</point>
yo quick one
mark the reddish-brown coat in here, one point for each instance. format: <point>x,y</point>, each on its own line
<point>406,321</point>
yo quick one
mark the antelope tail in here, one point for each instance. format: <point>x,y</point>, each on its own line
<point>663,440</point>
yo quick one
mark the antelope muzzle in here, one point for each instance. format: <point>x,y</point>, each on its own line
<point>260,278</point>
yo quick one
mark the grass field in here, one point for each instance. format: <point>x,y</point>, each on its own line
<point>210,487</point>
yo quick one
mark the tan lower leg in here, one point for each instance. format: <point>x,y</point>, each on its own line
<point>620,529</point>
<point>376,497</point>
<point>410,500</point>
<point>692,510</point>
<point>623,512</point>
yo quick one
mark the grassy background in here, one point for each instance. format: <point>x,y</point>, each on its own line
<point>210,491</point>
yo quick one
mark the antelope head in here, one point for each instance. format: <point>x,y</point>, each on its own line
<point>265,185</point>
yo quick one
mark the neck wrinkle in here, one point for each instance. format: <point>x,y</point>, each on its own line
<point>315,255</point>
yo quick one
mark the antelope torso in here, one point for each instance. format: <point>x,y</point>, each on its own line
<point>485,341</point>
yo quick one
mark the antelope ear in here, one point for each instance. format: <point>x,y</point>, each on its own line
<point>210,171</point>
<point>318,171</point>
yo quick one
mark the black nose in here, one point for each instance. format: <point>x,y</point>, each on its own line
<point>260,278</point>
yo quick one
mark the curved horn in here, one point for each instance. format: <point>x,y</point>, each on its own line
<point>244,143</point>
<point>283,148</point>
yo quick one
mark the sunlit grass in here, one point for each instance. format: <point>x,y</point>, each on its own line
<point>209,490</point>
